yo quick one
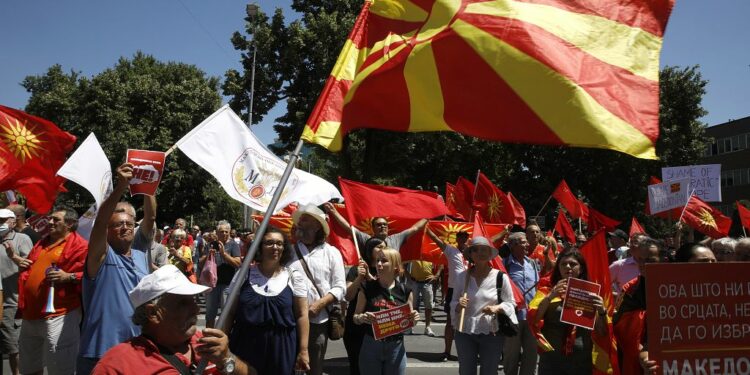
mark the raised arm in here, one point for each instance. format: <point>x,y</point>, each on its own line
<point>436,239</point>
<point>98,239</point>
<point>416,227</point>
<point>337,218</point>
<point>149,216</point>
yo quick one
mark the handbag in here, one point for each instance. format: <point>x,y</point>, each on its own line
<point>208,275</point>
<point>335,315</point>
<point>505,325</point>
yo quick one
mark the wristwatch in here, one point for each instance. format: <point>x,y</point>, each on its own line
<point>228,365</point>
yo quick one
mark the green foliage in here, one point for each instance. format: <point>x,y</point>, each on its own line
<point>140,103</point>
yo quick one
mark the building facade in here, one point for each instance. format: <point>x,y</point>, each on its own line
<point>728,144</point>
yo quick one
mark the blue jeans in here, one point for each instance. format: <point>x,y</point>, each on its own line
<point>215,299</point>
<point>478,349</point>
<point>382,357</point>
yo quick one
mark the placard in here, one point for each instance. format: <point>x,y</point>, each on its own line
<point>148,167</point>
<point>698,317</point>
<point>392,321</point>
<point>578,304</point>
<point>704,179</point>
<point>668,195</point>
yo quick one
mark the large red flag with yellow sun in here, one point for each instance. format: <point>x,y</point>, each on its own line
<point>32,149</point>
<point>578,73</point>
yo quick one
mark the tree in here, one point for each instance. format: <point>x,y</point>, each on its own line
<point>611,182</point>
<point>140,103</point>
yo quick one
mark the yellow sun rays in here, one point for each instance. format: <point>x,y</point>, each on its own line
<point>707,219</point>
<point>20,140</point>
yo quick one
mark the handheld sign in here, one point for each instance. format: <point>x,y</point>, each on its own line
<point>578,305</point>
<point>668,195</point>
<point>392,322</point>
<point>148,167</point>
<point>698,317</point>
<point>705,179</point>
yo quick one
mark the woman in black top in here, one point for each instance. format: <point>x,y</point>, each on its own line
<point>386,356</point>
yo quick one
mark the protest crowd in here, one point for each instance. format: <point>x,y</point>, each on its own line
<point>125,301</point>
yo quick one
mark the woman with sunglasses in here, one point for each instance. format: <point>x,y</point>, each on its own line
<point>270,325</point>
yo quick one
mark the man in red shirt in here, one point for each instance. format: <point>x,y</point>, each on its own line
<point>538,252</point>
<point>49,334</point>
<point>170,343</point>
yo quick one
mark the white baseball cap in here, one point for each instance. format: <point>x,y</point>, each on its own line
<point>167,279</point>
<point>6,213</point>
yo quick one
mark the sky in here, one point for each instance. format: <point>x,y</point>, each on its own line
<point>90,36</point>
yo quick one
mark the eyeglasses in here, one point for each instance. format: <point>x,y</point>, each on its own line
<point>123,224</point>
<point>273,243</point>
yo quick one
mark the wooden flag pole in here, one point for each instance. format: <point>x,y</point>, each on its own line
<point>474,196</point>
<point>544,205</point>
<point>223,323</point>
<point>686,204</point>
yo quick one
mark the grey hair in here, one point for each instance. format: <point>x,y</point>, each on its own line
<point>515,238</point>
<point>725,242</point>
<point>71,216</point>
<point>224,223</point>
<point>125,207</point>
<point>179,232</point>
<point>140,315</point>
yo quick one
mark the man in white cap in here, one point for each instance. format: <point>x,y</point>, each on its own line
<point>323,267</point>
<point>14,248</point>
<point>170,343</point>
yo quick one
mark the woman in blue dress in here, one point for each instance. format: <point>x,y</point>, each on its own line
<point>270,323</point>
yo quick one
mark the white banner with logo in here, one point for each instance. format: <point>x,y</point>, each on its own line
<point>250,173</point>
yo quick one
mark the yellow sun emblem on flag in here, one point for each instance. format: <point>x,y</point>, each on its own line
<point>706,219</point>
<point>494,207</point>
<point>448,232</point>
<point>21,141</point>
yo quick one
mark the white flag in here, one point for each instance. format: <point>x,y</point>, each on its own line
<point>89,167</point>
<point>247,170</point>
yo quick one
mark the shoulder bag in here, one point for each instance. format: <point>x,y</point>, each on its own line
<point>335,315</point>
<point>505,325</point>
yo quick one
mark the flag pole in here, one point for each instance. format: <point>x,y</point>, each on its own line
<point>686,204</point>
<point>476,183</point>
<point>223,323</point>
<point>543,206</point>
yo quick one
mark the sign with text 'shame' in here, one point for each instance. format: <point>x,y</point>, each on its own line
<point>705,180</point>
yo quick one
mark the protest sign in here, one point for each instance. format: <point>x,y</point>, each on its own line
<point>698,317</point>
<point>148,168</point>
<point>392,321</point>
<point>578,305</point>
<point>704,179</point>
<point>668,195</point>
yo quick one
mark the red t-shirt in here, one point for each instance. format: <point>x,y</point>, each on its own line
<point>141,356</point>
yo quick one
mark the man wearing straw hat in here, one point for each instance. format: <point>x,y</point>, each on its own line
<point>323,268</point>
<point>170,343</point>
<point>49,298</point>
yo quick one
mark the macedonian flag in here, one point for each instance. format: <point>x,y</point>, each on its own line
<point>580,73</point>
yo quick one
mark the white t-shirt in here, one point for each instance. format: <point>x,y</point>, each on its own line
<point>456,264</point>
<point>475,321</point>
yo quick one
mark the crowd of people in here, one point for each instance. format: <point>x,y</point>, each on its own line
<point>125,300</point>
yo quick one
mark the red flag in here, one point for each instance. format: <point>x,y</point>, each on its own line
<point>598,220</point>
<point>563,227</point>
<point>706,219</point>
<point>565,196</point>
<point>450,201</point>
<point>364,201</point>
<point>464,194</point>
<point>492,203</point>
<point>518,211</point>
<point>32,149</point>
<point>744,214</point>
<point>635,227</point>
<point>595,253</point>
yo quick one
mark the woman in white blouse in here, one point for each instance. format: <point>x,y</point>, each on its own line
<point>479,342</point>
<point>270,324</point>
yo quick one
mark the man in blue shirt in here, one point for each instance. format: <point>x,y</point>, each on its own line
<point>524,272</point>
<point>112,270</point>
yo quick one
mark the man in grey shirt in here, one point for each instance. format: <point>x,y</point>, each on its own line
<point>379,229</point>
<point>14,248</point>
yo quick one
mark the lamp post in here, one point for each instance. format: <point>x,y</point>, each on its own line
<point>252,11</point>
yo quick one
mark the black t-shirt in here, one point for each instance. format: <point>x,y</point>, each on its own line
<point>380,298</point>
<point>33,235</point>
